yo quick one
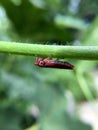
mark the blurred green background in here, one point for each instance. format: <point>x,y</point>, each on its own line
<point>33,98</point>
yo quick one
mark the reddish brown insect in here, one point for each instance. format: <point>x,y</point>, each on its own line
<point>48,63</point>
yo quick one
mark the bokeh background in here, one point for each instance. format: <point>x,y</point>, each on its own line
<point>32,98</point>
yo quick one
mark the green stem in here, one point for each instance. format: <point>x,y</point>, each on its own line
<point>72,52</point>
<point>84,87</point>
<point>69,21</point>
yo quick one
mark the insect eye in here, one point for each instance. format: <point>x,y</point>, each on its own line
<point>41,63</point>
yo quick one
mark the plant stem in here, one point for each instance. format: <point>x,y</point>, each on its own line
<point>69,21</point>
<point>55,51</point>
<point>84,87</point>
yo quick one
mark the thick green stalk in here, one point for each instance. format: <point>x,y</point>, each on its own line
<point>72,52</point>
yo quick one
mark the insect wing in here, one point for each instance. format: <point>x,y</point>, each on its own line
<point>58,64</point>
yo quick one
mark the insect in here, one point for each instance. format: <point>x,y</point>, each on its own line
<point>49,63</point>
